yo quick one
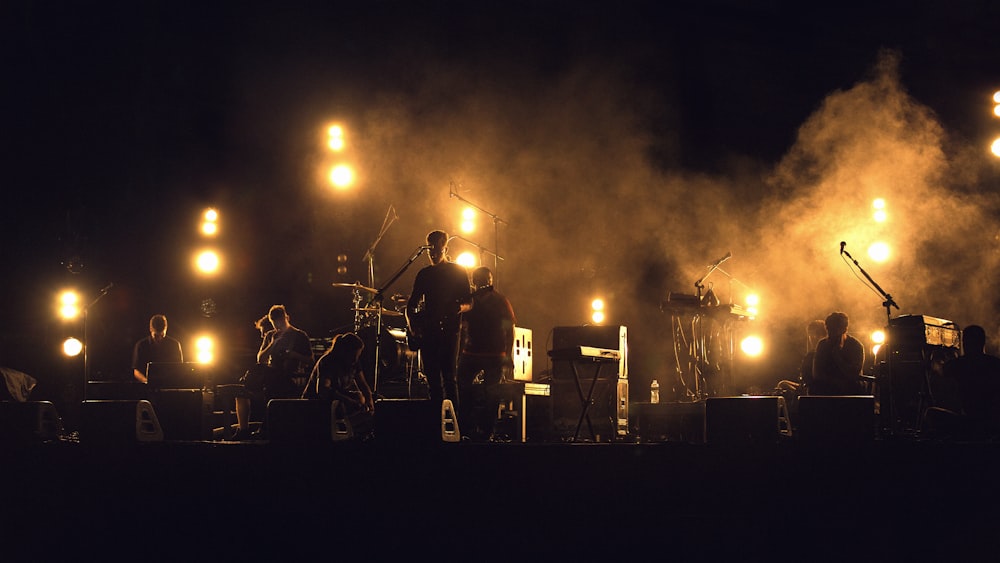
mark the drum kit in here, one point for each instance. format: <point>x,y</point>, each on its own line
<point>386,358</point>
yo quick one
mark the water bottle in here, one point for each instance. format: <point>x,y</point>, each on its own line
<point>654,392</point>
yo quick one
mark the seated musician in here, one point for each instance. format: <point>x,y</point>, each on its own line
<point>337,376</point>
<point>283,362</point>
<point>838,361</point>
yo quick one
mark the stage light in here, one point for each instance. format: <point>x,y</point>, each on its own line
<point>879,214</point>
<point>341,176</point>
<point>335,139</point>
<point>467,259</point>
<point>996,100</point>
<point>879,251</point>
<point>597,315</point>
<point>468,220</point>
<point>752,346</point>
<point>995,147</point>
<point>69,305</point>
<point>204,349</point>
<point>878,339</point>
<point>207,262</point>
<point>210,222</point>
<point>72,347</point>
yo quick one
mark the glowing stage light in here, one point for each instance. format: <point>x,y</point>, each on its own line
<point>341,176</point>
<point>72,347</point>
<point>879,251</point>
<point>207,262</point>
<point>210,222</point>
<point>467,259</point>
<point>996,100</point>
<point>204,349</point>
<point>468,220</point>
<point>995,147</point>
<point>752,346</point>
<point>69,305</point>
<point>878,336</point>
<point>336,138</point>
<point>597,315</point>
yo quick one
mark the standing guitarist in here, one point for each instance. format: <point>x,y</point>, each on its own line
<point>441,292</point>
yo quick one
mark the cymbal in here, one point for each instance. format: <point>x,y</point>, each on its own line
<point>355,286</point>
<point>386,312</point>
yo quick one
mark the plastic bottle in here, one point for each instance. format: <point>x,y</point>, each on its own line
<point>654,392</point>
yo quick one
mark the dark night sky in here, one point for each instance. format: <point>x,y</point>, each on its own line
<point>563,118</point>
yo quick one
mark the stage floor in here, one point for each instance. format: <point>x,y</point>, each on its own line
<point>889,499</point>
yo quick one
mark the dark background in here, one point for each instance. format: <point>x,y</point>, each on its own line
<point>623,145</point>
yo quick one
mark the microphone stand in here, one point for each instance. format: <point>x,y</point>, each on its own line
<point>377,300</point>
<point>887,302</point>
<point>86,342</point>
<point>496,232</point>
<point>891,426</point>
<point>482,249</point>
<point>370,253</point>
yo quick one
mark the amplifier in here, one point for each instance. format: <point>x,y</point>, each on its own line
<point>908,331</point>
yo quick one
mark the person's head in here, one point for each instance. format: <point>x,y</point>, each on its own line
<point>158,327</point>
<point>346,348</point>
<point>836,324</point>
<point>278,317</point>
<point>482,277</point>
<point>438,241</point>
<point>974,339</point>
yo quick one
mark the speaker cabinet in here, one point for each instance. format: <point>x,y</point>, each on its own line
<point>306,421</point>
<point>184,414</point>
<point>841,419</point>
<point>115,421</point>
<point>407,421</point>
<point>745,420</point>
<point>669,422</point>
<point>31,421</point>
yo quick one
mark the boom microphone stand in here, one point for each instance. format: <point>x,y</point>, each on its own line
<point>86,342</point>
<point>377,299</point>
<point>884,379</point>
<point>496,232</point>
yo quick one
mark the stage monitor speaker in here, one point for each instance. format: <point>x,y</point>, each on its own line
<point>836,419</point>
<point>30,421</point>
<point>184,414</point>
<point>669,422</point>
<point>299,421</point>
<point>595,336</point>
<point>745,420</point>
<point>117,391</point>
<point>119,421</point>
<point>407,421</point>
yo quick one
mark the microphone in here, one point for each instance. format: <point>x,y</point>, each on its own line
<point>721,260</point>
<point>107,288</point>
<point>842,245</point>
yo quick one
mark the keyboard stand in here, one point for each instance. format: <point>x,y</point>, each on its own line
<point>586,402</point>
